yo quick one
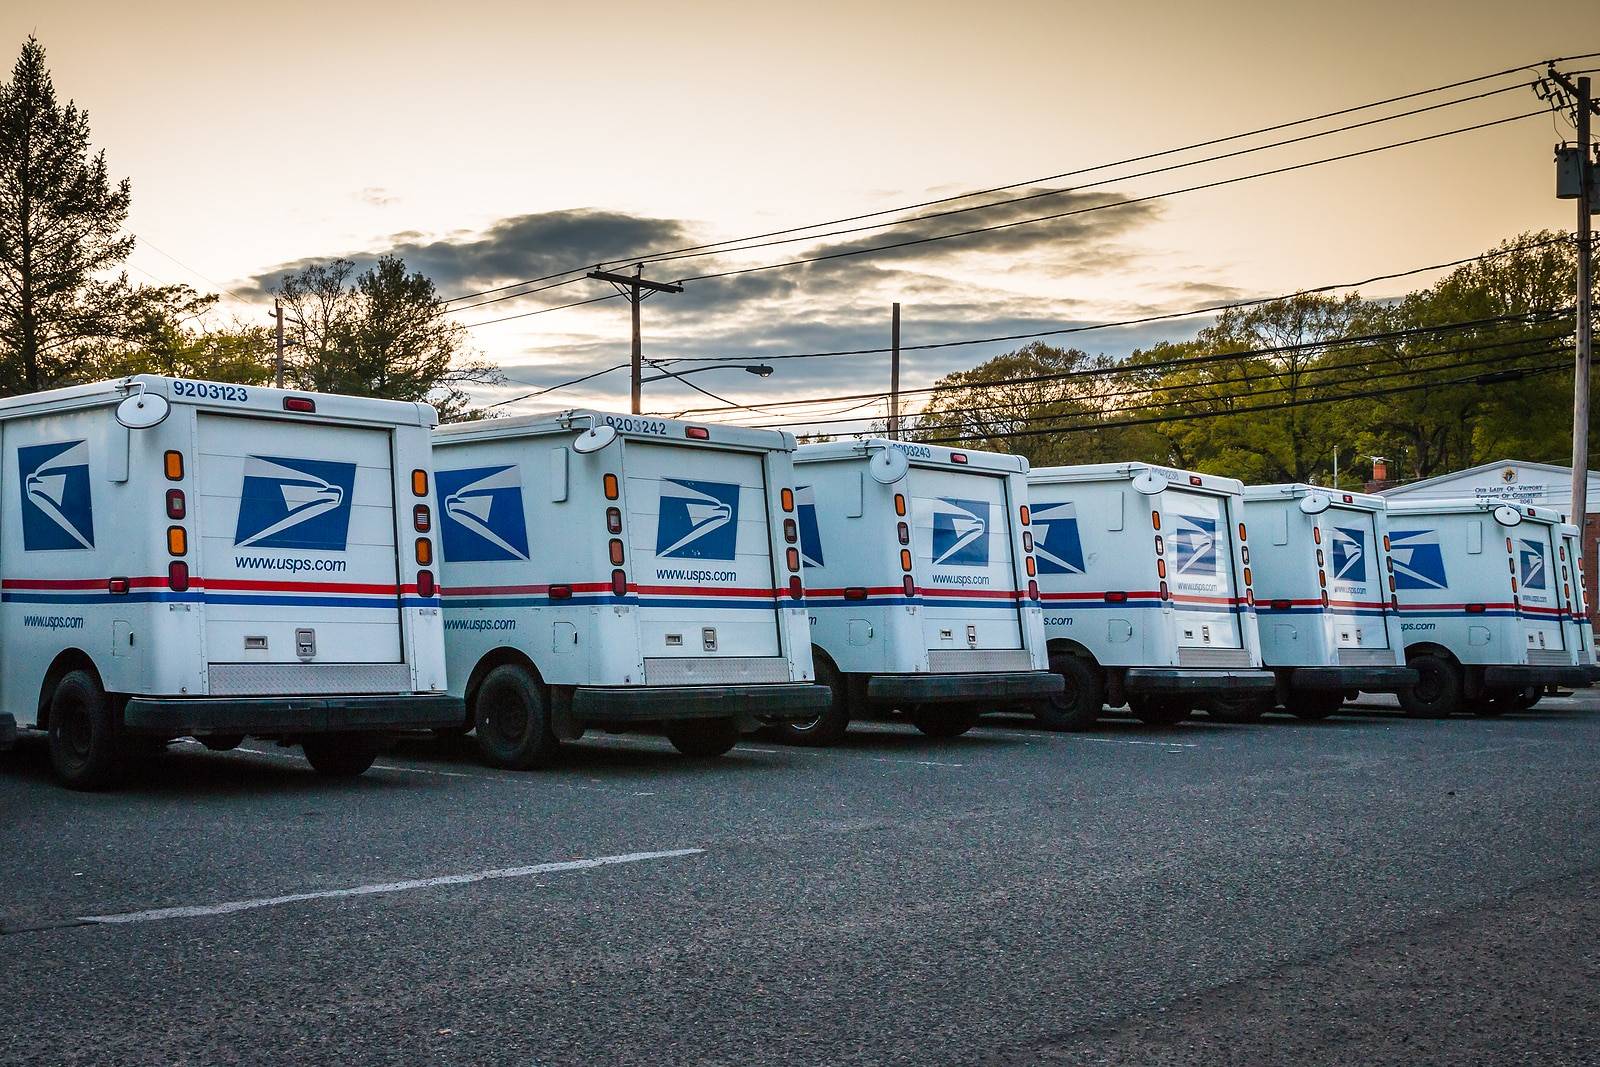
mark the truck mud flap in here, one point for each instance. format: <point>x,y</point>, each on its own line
<point>8,731</point>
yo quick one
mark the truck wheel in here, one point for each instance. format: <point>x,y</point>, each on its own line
<point>703,738</point>
<point>1437,691</point>
<point>85,745</point>
<point>1239,707</point>
<point>829,726</point>
<point>340,755</point>
<point>1159,711</point>
<point>1315,705</point>
<point>1526,698</point>
<point>945,721</point>
<point>513,720</point>
<point>1079,704</point>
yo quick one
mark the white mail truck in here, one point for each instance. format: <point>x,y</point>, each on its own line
<point>1145,573</point>
<point>193,558</point>
<point>1481,608</point>
<point>622,572</point>
<point>1325,600</point>
<point>920,585</point>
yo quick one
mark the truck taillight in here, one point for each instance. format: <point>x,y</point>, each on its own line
<point>176,505</point>
<point>1316,535</point>
<point>1282,605</point>
<point>425,586</point>
<point>419,482</point>
<point>1194,479</point>
<point>172,463</point>
<point>1165,595</point>
<point>1394,601</point>
<point>1247,580</point>
<point>1324,598</point>
<point>958,457</point>
<point>178,576</point>
<point>791,533</point>
<point>792,558</point>
<point>561,592</point>
<point>424,552</point>
<point>1161,568</point>
<point>903,532</point>
<point>908,585</point>
<point>1033,590</point>
<point>796,589</point>
<point>1155,520</point>
<point>615,548</point>
<point>619,583</point>
<point>421,518</point>
<point>1241,532</point>
<point>1386,542</point>
<point>1391,583</point>
<point>299,403</point>
<point>609,484</point>
<point>177,541</point>
<point>614,520</point>
<point>1028,562</point>
<point>1322,577</point>
<point>1250,597</point>
<point>1023,511</point>
<point>900,504</point>
<point>905,559</point>
<point>786,499</point>
<point>117,586</point>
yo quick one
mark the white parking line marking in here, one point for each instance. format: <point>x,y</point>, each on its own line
<point>201,910</point>
<point>1129,741</point>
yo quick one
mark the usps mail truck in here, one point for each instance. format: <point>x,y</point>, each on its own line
<point>1481,609</point>
<point>920,585</point>
<point>1325,600</point>
<point>193,558</point>
<point>1146,583</point>
<point>620,572</point>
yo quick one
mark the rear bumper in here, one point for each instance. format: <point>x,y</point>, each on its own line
<point>1520,677</point>
<point>797,700</point>
<point>1183,680</point>
<point>8,731</point>
<point>276,716</point>
<point>998,686</point>
<point>1366,679</point>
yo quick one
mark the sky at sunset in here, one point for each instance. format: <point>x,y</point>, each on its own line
<point>491,142</point>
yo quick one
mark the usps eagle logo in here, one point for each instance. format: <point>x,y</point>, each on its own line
<point>295,503</point>
<point>1418,559</point>
<point>1349,545</point>
<point>483,514</point>
<point>698,520</point>
<point>805,514</point>
<point>1194,540</point>
<point>1057,546</point>
<point>960,532</point>
<point>1532,564</point>
<point>56,507</point>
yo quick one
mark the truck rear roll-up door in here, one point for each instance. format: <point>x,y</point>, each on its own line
<point>962,540</point>
<point>1198,539</point>
<point>296,531</point>
<point>1358,588</point>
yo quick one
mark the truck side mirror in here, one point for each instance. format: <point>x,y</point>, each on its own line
<point>143,410</point>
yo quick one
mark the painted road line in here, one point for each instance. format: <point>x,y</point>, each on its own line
<point>203,910</point>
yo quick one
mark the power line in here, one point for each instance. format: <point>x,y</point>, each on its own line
<point>543,311</point>
<point>560,385</point>
<point>1535,66</point>
<point>1142,320</point>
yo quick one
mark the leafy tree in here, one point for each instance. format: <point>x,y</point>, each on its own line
<point>185,348</point>
<point>381,333</point>
<point>60,234</point>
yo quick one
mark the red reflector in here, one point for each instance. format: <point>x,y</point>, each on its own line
<point>421,518</point>
<point>1033,590</point>
<point>561,592</point>
<point>1250,597</point>
<point>1116,598</point>
<point>1394,602</point>
<point>117,585</point>
<point>796,590</point>
<point>1348,499</point>
<point>175,504</point>
<point>299,403</point>
<point>855,592</point>
<point>699,433</point>
<point>908,585</point>
<point>1164,594</point>
<point>792,558</point>
<point>619,583</point>
<point>958,457</point>
<point>1324,599</point>
<point>1194,479</point>
<point>1475,609</point>
<point>177,576</point>
<point>425,587</point>
<point>1281,605</point>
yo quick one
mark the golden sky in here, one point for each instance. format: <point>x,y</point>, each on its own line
<point>259,137</point>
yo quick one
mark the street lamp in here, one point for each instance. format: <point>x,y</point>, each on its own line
<point>760,370</point>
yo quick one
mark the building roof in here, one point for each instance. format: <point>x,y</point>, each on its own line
<point>1441,479</point>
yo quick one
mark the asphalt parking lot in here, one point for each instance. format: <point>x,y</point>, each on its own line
<point>1368,889</point>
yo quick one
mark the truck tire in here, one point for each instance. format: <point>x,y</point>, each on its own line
<point>945,721</point>
<point>829,726</point>
<point>1526,698</point>
<point>340,755</point>
<point>703,738</point>
<point>513,720</point>
<point>1437,692</point>
<point>1079,704</point>
<point>1239,707</point>
<point>86,750</point>
<point>1159,711</point>
<point>1316,704</point>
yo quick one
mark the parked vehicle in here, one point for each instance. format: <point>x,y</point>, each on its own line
<point>1147,590</point>
<point>620,572</point>
<point>920,585</point>
<point>1579,627</point>
<point>1325,600</point>
<point>1480,604</point>
<point>193,558</point>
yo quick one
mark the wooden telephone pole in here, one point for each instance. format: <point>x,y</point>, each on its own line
<point>637,289</point>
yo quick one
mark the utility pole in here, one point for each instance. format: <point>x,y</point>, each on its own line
<point>894,374</point>
<point>277,362</point>
<point>637,289</point>
<point>1584,194</point>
